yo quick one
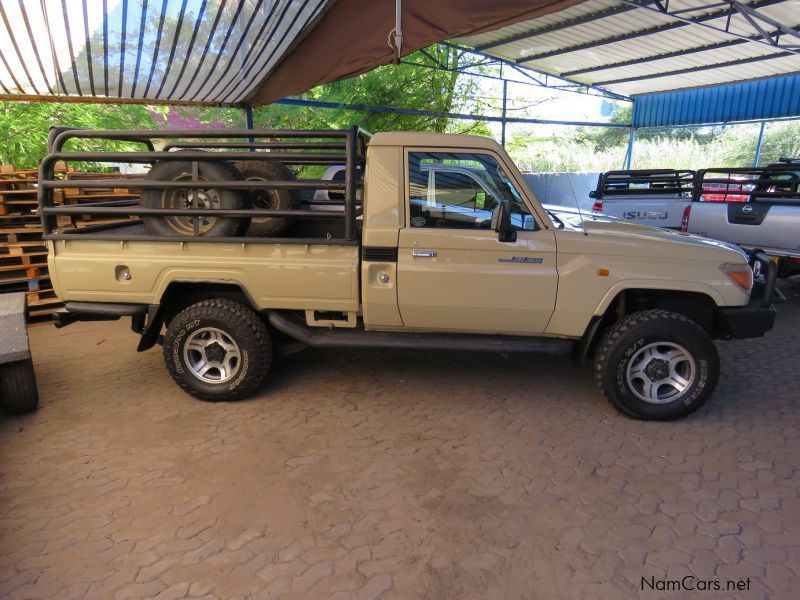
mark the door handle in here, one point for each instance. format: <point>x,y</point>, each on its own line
<point>424,253</point>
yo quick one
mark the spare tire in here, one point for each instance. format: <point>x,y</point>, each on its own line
<point>262,170</point>
<point>176,170</point>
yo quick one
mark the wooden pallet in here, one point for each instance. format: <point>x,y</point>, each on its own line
<point>29,259</point>
<point>16,273</point>
<point>22,247</point>
<point>21,234</point>
<point>26,285</point>
<point>23,253</point>
<point>43,296</point>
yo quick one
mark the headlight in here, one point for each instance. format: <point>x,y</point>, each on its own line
<point>741,275</point>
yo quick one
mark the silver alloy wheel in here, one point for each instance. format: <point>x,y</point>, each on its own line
<point>212,355</point>
<point>660,372</point>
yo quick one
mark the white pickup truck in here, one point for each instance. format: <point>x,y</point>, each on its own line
<point>768,219</point>
<point>654,197</point>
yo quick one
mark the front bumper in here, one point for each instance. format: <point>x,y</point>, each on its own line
<point>758,316</point>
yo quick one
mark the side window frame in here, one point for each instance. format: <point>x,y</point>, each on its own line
<point>539,221</point>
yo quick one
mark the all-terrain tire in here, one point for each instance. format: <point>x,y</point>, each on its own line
<point>222,327</point>
<point>262,170</point>
<point>656,365</point>
<point>18,393</point>
<point>175,170</point>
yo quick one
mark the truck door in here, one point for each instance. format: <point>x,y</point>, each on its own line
<point>453,272</point>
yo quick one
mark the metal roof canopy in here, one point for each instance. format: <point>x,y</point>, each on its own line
<point>636,48</point>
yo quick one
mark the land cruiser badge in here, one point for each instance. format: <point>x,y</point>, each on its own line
<point>534,260</point>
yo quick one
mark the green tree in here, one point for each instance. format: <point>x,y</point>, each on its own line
<point>24,126</point>
<point>438,90</point>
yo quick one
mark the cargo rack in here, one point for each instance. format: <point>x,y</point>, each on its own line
<point>644,181</point>
<point>288,146</point>
<point>778,183</point>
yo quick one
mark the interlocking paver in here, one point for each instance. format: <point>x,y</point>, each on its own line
<point>394,475</point>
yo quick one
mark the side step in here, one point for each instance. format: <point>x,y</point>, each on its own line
<point>358,338</point>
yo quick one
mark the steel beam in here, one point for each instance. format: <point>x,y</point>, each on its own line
<point>657,57</point>
<point>682,21</point>
<point>730,63</point>
<point>582,20</point>
<point>758,144</point>
<point>448,115</point>
<point>579,84</point>
<point>748,11</point>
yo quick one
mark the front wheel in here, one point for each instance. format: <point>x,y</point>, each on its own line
<point>218,350</point>
<point>657,365</point>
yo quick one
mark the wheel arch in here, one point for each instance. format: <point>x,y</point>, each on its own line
<point>698,306</point>
<point>179,294</point>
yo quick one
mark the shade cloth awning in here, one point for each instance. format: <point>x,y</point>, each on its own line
<point>224,52</point>
<point>205,51</point>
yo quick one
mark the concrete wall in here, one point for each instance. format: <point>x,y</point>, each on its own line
<point>563,188</point>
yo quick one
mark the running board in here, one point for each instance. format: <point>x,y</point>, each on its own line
<point>318,337</point>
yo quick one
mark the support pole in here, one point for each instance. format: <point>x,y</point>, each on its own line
<point>629,153</point>
<point>758,146</point>
<point>248,119</point>
<point>503,121</point>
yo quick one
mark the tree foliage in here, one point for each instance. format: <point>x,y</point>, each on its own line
<point>438,90</point>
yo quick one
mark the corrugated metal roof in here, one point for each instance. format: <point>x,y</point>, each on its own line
<point>760,99</point>
<point>632,47</point>
<point>214,51</point>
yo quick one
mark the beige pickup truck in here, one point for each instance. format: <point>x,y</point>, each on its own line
<point>434,241</point>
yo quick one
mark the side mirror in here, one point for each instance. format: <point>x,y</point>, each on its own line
<point>501,223</point>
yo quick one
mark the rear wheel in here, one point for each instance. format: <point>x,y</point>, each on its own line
<point>18,393</point>
<point>657,365</point>
<point>218,350</point>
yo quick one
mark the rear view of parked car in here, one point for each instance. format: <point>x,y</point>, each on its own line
<point>647,197</point>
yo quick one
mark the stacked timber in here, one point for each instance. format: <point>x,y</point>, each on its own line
<point>23,253</point>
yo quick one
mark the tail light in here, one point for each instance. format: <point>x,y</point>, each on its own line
<point>685,219</point>
<point>597,206</point>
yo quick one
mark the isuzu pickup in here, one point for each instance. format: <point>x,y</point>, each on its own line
<point>654,197</point>
<point>440,245</point>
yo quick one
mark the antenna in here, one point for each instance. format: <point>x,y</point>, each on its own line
<point>577,204</point>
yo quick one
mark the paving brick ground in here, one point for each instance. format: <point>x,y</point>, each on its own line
<point>395,475</point>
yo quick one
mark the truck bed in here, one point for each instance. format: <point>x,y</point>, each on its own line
<point>87,268</point>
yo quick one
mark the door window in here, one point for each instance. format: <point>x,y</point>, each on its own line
<point>460,191</point>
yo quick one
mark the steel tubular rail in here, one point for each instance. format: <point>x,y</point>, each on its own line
<point>761,178</point>
<point>350,176</point>
<point>259,145</point>
<point>143,136</point>
<point>295,158</point>
<point>353,142</point>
